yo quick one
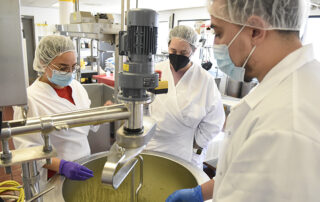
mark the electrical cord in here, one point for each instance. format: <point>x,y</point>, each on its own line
<point>11,185</point>
<point>9,197</point>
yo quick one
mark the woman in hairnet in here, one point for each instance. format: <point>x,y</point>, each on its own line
<point>55,91</point>
<point>191,113</point>
<point>271,149</point>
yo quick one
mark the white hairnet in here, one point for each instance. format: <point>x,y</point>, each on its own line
<point>185,33</point>
<point>49,48</point>
<point>277,14</point>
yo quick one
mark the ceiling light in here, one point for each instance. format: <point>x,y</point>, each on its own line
<point>55,5</point>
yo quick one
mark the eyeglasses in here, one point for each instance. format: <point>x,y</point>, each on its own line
<point>66,69</point>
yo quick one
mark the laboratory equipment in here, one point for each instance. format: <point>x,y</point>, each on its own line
<point>138,43</point>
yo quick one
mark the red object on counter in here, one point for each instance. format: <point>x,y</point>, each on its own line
<point>108,80</point>
<point>159,72</point>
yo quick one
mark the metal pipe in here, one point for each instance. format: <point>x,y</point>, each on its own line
<point>78,75</point>
<point>96,109</point>
<point>6,154</point>
<point>137,2</point>
<point>128,6</point>
<point>37,120</point>
<point>132,191</point>
<point>135,120</point>
<point>26,185</point>
<point>66,118</point>
<point>122,15</point>
<point>47,148</point>
<point>91,52</point>
<point>68,121</point>
<point>30,177</point>
<point>98,58</point>
<point>64,124</point>
<point>5,148</point>
<point>116,69</point>
<point>76,5</point>
<point>98,119</point>
<point>8,132</point>
<point>40,194</point>
<point>35,189</point>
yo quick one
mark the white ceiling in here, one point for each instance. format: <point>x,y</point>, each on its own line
<point>114,6</point>
<point>38,3</point>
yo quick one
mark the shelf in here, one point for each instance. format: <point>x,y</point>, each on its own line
<point>99,31</point>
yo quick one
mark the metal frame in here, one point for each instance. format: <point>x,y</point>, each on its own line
<point>34,28</point>
<point>29,17</point>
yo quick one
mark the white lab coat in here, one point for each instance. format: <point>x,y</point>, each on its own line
<point>70,144</point>
<point>190,110</point>
<point>272,142</point>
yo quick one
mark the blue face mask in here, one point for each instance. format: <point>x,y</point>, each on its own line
<point>61,78</point>
<point>224,62</point>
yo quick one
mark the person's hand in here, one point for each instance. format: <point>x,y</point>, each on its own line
<point>186,195</point>
<point>74,171</point>
<point>109,102</point>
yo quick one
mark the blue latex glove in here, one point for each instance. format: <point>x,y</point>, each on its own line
<point>186,195</point>
<point>74,171</point>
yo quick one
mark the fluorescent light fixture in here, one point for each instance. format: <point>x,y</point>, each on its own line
<point>55,5</point>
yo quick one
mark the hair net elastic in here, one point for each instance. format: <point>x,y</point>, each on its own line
<point>276,14</point>
<point>185,33</point>
<point>49,48</point>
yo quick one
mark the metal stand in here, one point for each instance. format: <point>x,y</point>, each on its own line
<point>31,177</point>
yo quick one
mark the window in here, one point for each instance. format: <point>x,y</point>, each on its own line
<point>312,33</point>
<point>163,33</point>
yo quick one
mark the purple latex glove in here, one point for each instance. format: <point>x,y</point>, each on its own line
<point>74,171</point>
<point>186,195</point>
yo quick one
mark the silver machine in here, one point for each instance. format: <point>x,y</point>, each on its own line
<point>137,45</point>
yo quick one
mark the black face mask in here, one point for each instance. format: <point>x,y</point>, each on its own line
<point>178,61</point>
<point>206,65</point>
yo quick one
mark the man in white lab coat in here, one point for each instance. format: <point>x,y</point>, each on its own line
<point>57,92</point>
<point>272,146</point>
<point>191,113</point>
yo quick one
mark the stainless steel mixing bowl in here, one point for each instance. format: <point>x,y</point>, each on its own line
<point>163,174</point>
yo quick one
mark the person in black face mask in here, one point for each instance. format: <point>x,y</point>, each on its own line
<point>182,44</point>
<point>191,113</point>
